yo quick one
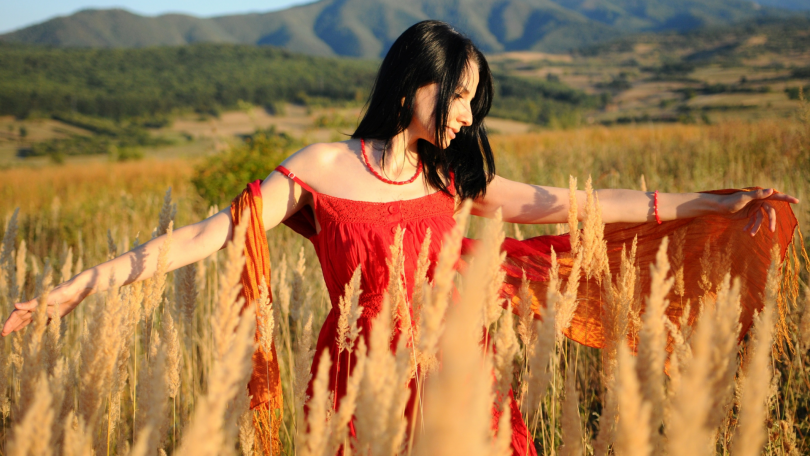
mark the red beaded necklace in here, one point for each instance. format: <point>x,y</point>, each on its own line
<point>387,181</point>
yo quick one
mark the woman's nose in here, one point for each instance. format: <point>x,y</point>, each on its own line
<point>465,116</point>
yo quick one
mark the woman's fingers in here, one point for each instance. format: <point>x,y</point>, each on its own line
<point>28,305</point>
<point>757,222</point>
<point>18,320</point>
<point>771,216</point>
<point>750,223</point>
<point>784,197</point>
<point>771,194</point>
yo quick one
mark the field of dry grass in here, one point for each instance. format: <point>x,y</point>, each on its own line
<point>143,369</point>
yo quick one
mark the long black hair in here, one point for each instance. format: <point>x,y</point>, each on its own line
<point>428,52</point>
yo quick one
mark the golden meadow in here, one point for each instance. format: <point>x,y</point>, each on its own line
<point>159,367</point>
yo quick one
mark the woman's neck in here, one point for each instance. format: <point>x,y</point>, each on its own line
<point>401,155</point>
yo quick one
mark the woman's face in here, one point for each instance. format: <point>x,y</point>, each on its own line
<point>423,124</point>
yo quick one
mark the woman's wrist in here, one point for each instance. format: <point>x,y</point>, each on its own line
<point>724,204</point>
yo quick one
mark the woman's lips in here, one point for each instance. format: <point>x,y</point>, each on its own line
<point>451,133</point>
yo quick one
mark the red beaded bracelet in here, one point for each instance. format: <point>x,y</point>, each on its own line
<point>655,207</point>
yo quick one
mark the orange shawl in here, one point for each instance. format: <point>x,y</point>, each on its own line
<point>265,381</point>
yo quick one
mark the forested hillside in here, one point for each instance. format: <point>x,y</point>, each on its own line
<point>154,82</point>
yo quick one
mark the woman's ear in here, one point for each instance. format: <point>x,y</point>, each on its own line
<point>402,101</point>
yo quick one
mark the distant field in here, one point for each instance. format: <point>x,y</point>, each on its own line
<point>711,74</point>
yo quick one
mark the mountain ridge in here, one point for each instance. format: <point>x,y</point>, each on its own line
<point>366,28</point>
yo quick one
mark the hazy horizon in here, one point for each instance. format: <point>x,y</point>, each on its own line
<point>18,15</point>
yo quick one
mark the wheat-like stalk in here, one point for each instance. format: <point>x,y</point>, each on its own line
<point>348,404</point>
<point>167,214</point>
<point>32,434</point>
<point>226,311</point>
<point>78,441</point>
<point>526,331</point>
<point>204,435</point>
<point>567,302</point>
<point>35,351</point>
<point>17,283</point>
<point>52,342</point>
<point>462,387</point>
<point>132,297</point>
<point>171,347</point>
<point>594,247</point>
<point>750,434</point>
<point>540,370</point>
<point>724,360</point>
<point>573,215</point>
<point>492,240</point>
<point>299,294</point>
<point>153,392</point>
<point>571,423</point>
<point>615,316</point>
<point>677,259</point>
<point>505,346</point>
<point>804,325</point>
<point>7,275</point>
<point>383,394</point>
<point>99,356</point>
<point>706,264</point>
<point>247,431</point>
<point>266,323</point>
<point>690,403</point>
<point>314,440</point>
<point>156,285</point>
<point>635,426</point>
<point>397,290</point>
<point>186,298</point>
<point>436,303</point>
<point>5,403</point>
<point>304,354</point>
<point>652,342</point>
<point>66,270</point>
<point>420,281</point>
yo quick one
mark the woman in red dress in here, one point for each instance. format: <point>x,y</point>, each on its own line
<point>420,149</point>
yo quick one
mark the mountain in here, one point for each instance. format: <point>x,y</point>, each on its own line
<point>795,5</point>
<point>366,28</point>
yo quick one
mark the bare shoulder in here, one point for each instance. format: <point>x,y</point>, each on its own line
<point>317,157</point>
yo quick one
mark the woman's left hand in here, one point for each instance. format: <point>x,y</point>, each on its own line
<point>755,205</point>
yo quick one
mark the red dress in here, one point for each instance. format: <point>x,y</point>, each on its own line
<point>359,233</point>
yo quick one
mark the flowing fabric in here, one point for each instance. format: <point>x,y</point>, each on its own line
<point>265,381</point>
<point>711,246</point>
<point>356,233</point>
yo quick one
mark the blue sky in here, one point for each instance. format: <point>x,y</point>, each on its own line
<point>16,14</point>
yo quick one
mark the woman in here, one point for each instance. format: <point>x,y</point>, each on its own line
<point>420,149</point>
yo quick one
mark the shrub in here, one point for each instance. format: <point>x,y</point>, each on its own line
<point>221,177</point>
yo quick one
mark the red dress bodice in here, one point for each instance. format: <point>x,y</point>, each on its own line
<point>360,233</point>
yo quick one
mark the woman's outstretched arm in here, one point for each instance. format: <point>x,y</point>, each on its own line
<point>189,244</point>
<point>524,203</point>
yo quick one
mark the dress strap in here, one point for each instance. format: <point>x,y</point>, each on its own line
<point>292,176</point>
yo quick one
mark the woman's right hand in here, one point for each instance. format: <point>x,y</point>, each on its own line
<point>62,299</point>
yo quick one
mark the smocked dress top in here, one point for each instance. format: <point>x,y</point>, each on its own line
<point>360,233</point>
